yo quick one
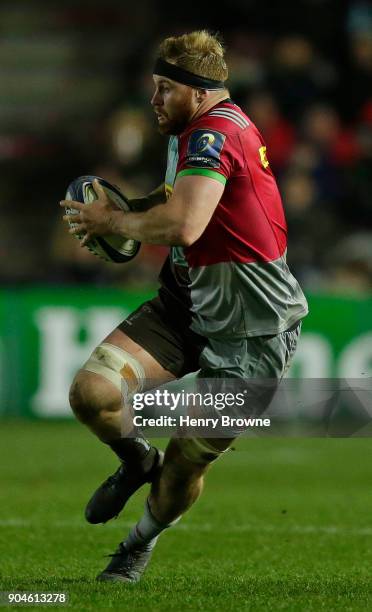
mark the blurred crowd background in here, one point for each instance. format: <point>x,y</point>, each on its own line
<point>76,84</point>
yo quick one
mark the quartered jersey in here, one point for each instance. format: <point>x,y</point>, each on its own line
<point>234,280</point>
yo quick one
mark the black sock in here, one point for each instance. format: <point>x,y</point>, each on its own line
<point>136,452</point>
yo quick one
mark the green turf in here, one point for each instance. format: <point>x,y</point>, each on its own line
<point>282,525</point>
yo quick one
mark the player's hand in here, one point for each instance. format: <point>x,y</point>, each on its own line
<point>97,218</point>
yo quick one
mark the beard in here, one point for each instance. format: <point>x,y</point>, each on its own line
<point>172,127</point>
<point>176,125</point>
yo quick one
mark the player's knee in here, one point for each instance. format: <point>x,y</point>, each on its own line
<point>195,455</point>
<point>109,378</point>
<point>89,396</point>
<point>81,398</point>
<point>179,469</point>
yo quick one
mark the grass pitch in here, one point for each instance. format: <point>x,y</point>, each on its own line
<point>282,525</point>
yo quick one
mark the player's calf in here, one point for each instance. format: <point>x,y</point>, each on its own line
<point>179,485</point>
<point>182,477</point>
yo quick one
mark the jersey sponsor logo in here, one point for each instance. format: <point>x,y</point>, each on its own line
<point>204,149</point>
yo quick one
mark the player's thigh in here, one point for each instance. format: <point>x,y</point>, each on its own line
<point>118,367</point>
<point>153,343</point>
<point>154,372</point>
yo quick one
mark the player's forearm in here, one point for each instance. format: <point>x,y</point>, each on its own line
<point>159,225</point>
<point>154,198</point>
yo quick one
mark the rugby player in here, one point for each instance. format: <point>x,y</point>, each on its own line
<point>227,306</point>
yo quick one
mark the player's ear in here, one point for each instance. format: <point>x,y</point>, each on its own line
<point>201,94</point>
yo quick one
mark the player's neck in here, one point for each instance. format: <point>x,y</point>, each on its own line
<point>209,102</point>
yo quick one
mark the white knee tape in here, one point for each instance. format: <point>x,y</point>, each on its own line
<point>117,366</point>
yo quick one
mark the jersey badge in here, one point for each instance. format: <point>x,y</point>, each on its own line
<point>204,149</point>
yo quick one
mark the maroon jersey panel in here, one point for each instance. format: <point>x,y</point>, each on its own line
<point>248,224</point>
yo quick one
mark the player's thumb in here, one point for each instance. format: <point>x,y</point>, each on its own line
<point>98,188</point>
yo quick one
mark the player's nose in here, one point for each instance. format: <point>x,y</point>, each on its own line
<point>156,99</point>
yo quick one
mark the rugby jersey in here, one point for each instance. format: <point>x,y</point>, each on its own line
<point>234,280</point>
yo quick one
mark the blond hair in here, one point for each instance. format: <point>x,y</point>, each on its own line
<point>199,52</point>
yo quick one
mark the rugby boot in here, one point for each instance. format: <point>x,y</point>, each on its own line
<point>110,498</point>
<point>127,565</point>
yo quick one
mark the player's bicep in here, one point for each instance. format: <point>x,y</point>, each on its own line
<point>195,198</point>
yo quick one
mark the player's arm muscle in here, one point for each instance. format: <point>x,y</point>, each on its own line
<point>181,220</point>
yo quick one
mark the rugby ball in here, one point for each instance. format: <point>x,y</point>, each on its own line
<point>112,247</point>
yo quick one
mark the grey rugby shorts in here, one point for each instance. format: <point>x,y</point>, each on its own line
<point>164,333</point>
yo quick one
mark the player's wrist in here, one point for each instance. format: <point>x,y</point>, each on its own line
<point>117,222</point>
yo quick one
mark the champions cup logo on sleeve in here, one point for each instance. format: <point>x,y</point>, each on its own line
<point>204,149</point>
<point>205,143</point>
